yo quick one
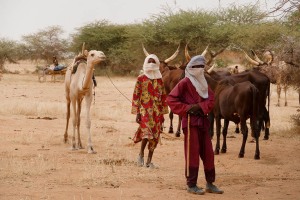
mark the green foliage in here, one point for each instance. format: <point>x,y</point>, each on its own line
<point>9,51</point>
<point>45,44</point>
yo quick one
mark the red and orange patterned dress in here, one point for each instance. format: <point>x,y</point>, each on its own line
<point>149,99</point>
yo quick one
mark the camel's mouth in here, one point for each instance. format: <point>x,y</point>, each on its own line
<point>102,58</point>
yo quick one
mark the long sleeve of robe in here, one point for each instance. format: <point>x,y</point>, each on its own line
<point>183,96</point>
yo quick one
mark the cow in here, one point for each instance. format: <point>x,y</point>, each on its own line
<point>236,102</point>
<point>260,81</point>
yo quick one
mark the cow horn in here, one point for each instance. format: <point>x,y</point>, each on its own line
<point>211,68</point>
<point>145,51</point>
<point>186,53</point>
<point>173,56</point>
<point>250,59</point>
<point>256,58</point>
<point>205,51</point>
<point>83,48</point>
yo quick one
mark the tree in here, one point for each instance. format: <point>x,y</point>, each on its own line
<point>45,44</point>
<point>8,52</point>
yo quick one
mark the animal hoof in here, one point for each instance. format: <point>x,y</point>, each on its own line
<point>266,138</point>
<point>241,155</point>
<point>177,134</point>
<point>217,152</point>
<point>91,150</point>
<point>256,157</point>
<point>237,130</point>
<point>223,151</point>
<point>74,148</point>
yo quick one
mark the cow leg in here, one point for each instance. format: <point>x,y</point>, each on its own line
<point>266,121</point>
<point>257,153</point>
<point>237,128</point>
<point>211,119</point>
<point>224,132</point>
<point>245,136</point>
<point>218,130</point>
<point>178,127</point>
<point>171,115</point>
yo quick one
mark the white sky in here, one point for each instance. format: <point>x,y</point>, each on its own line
<point>23,17</point>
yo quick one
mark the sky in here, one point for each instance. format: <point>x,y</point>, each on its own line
<point>24,17</point>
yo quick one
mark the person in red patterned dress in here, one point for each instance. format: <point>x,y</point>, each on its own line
<point>149,105</point>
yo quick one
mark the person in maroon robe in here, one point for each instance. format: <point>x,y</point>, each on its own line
<point>193,99</point>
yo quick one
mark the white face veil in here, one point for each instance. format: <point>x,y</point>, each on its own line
<point>196,75</point>
<point>151,70</point>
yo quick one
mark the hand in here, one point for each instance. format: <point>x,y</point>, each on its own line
<point>138,118</point>
<point>195,110</point>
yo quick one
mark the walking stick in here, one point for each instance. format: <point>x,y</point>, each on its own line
<point>188,148</point>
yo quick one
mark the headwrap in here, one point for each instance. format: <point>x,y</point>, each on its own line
<point>196,75</point>
<point>151,70</point>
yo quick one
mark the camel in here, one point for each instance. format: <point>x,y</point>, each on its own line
<point>78,86</point>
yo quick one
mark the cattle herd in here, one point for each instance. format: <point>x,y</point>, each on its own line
<point>238,97</point>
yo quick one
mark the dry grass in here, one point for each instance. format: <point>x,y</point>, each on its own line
<point>36,162</point>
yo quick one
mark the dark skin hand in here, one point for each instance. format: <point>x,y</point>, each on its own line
<point>138,118</point>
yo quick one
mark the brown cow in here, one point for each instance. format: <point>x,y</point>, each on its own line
<point>236,103</point>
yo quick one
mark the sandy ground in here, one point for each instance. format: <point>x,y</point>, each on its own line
<point>36,164</point>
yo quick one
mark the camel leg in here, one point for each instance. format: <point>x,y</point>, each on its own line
<point>79,103</point>
<point>68,118</point>
<point>88,100</point>
<point>74,120</point>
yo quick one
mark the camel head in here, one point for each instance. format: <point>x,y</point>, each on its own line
<point>95,57</point>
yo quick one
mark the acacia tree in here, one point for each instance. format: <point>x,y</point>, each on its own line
<point>9,52</point>
<point>45,44</point>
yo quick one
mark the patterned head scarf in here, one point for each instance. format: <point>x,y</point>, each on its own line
<point>196,75</point>
<point>151,70</point>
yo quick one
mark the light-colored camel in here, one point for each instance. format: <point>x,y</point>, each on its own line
<point>79,86</point>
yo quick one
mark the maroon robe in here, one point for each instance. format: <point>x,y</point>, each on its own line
<point>180,100</point>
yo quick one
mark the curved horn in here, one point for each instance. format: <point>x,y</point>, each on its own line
<point>186,53</point>
<point>145,51</point>
<point>173,56</point>
<point>205,51</point>
<point>256,58</point>
<point>211,69</point>
<point>83,48</point>
<point>250,59</point>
